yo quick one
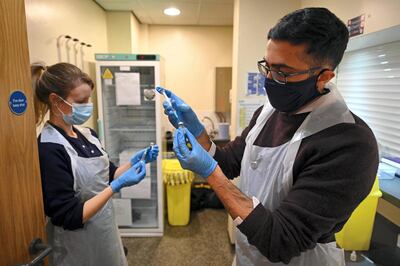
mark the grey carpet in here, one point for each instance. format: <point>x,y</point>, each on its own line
<point>203,242</point>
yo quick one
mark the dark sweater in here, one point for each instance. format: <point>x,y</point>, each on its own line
<point>333,172</point>
<point>60,202</point>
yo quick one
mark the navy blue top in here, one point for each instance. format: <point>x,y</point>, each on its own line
<point>60,202</point>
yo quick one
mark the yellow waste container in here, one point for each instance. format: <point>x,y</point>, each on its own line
<point>178,184</point>
<point>356,233</point>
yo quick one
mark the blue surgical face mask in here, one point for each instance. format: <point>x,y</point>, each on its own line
<point>81,112</point>
<point>291,96</point>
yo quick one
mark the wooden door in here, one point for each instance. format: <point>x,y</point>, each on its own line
<point>223,84</point>
<point>21,209</point>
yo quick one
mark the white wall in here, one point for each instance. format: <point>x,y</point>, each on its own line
<point>190,55</point>
<point>124,32</point>
<point>82,19</point>
<point>379,14</point>
<point>135,34</point>
<point>252,21</point>
<point>119,32</point>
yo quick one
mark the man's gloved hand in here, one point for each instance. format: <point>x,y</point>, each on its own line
<point>131,177</point>
<point>197,159</point>
<point>151,155</point>
<point>184,112</point>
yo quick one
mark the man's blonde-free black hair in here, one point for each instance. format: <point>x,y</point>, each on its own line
<point>323,33</point>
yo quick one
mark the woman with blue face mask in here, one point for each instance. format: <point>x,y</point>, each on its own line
<point>78,180</point>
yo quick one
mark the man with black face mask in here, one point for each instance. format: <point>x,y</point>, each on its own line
<point>305,160</point>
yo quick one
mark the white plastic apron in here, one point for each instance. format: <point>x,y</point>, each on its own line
<point>98,242</point>
<point>266,173</point>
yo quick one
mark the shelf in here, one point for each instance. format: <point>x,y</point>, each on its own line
<point>143,218</point>
<point>146,106</point>
<point>135,128</point>
<point>132,129</point>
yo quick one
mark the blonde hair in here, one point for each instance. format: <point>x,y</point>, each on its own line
<point>60,79</point>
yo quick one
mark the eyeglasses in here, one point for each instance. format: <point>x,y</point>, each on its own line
<point>279,76</point>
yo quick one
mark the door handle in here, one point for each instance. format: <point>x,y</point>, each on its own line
<point>35,247</point>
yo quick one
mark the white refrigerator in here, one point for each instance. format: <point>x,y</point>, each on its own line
<point>129,120</point>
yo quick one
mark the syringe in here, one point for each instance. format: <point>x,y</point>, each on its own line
<point>180,124</point>
<point>168,100</point>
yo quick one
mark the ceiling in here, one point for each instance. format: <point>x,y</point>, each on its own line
<point>193,12</point>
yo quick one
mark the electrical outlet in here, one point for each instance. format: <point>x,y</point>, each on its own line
<point>398,240</point>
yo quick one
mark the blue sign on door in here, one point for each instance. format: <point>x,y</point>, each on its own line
<point>18,102</point>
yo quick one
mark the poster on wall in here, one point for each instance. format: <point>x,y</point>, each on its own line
<point>246,109</point>
<point>356,25</point>
<point>255,84</point>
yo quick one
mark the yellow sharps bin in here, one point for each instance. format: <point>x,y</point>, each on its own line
<point>178,183</point>
<point>356,233</point>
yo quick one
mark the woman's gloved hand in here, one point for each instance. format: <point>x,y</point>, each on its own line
<point>184,112</point>
<point>131,177</point>
<point>151,155</point>
<point>196,159</point>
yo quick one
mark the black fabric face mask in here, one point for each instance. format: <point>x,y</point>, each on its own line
<point>291,96</point>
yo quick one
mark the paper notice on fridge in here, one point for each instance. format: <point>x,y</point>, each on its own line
<point>127,88</point>
<point>138,191</point>
<point>123,211</point>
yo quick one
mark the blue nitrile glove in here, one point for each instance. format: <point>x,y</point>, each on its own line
<point>151,155</point>
<point>184,112</point>
<point>131,177</point>
<point>196,159</point>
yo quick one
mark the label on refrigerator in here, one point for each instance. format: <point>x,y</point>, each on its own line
<point>124,68</point>
<point>107,74</point>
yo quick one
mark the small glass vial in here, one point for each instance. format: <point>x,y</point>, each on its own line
<point>188,144</point>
